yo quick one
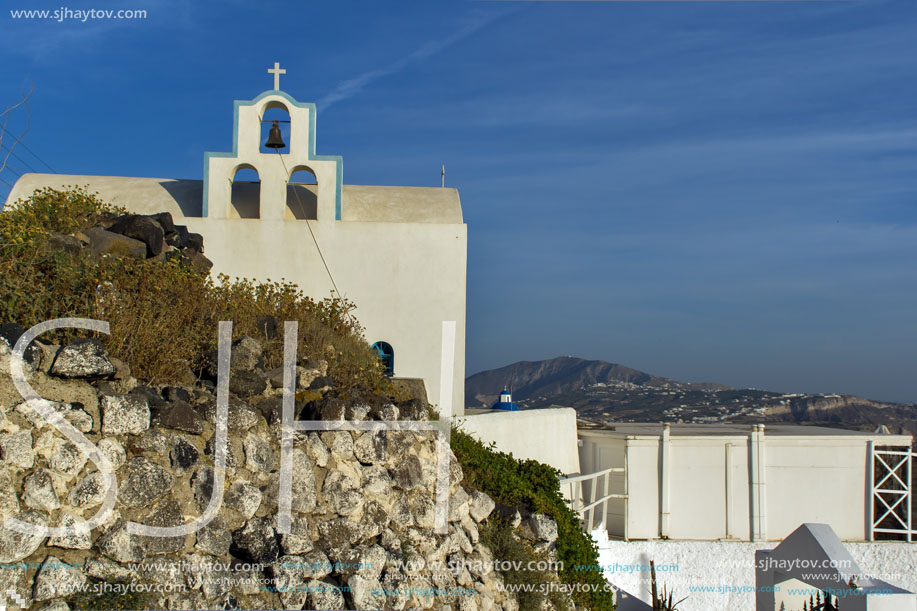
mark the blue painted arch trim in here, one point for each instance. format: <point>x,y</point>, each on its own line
<point>339,186</point>
<point>386,354</point>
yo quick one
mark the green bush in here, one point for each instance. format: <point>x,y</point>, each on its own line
<point>537,487</point>
<point>162,314</point>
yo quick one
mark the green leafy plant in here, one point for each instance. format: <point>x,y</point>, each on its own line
<point>662,602</point>
<point>518,554</point>
<point>537,487</point>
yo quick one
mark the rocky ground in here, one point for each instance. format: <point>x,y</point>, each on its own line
<point>138,236</point>
<point>362,532</point>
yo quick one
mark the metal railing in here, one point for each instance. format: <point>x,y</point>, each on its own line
<point>589,495</point>
<point>891,510</point>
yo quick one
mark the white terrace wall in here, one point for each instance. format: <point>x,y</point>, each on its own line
<point>717,575</point>
<point>740,487</point>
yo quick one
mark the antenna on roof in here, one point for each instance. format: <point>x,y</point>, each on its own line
<point>443,185</point>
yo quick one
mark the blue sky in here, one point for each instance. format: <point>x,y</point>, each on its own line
<point>720,191</point>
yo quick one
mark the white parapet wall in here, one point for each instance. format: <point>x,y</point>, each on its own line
<point>732,481</point>
<point>546,435</point>
<point>721,574</point>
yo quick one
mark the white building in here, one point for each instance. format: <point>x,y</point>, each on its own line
<point>702,499</point>
<point>783,582</point>
<point>398,253</point>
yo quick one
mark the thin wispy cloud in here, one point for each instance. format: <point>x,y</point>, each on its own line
<point>353,86</point>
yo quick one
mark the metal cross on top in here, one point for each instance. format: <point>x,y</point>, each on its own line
<point>276,71</point>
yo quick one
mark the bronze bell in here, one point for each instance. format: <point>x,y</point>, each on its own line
<point>274,138</point>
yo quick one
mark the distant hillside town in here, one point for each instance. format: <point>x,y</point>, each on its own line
<point>604,392</point>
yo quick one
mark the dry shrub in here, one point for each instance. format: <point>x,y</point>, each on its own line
<point>163,315</point>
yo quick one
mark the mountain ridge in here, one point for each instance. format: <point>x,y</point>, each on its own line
<point>603,393</point>
<point>562,374</point>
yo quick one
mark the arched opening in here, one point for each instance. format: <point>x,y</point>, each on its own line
<point>245,196</point>
<point>387,355</point>
<point>302,195</point>
<point>275,111</point>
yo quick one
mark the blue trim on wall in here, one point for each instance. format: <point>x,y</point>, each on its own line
<point>310,151</point>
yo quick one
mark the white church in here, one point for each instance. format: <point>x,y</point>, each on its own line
<point>398,253</point>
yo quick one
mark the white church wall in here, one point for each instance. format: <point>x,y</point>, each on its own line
<point>139,195</point>
<point>721,574</point>
<point>398,253</point>
<point>183,198</point>
<point>545,435</point>
<point>401,204</point>
<point>404,278</point>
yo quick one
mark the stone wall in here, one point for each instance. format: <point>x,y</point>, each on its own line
<point>362,533</point>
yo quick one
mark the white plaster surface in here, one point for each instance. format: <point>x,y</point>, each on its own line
<point>713,491</point>
<point>545,435</point>
<point>184,198</point>
<point>728,568</point>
